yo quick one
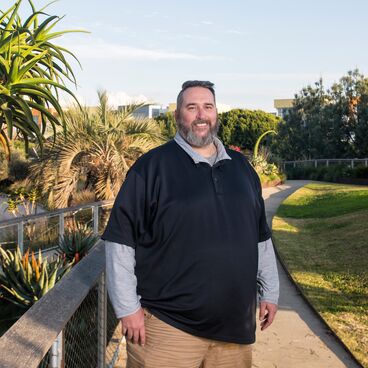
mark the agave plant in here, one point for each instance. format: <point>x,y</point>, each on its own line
<point>95,154</point>
<point>76,243</point>
<point>25,279</point>
<point>32,72</point>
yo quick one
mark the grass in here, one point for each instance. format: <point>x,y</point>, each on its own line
<point>321,232</point>
<point>325,200</point>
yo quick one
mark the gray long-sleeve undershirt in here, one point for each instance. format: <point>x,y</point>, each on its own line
<point>122,282</point>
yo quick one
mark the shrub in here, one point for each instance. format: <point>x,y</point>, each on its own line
<point>76,243</point>
<point>25,279</point>
<point>360,172</point>
<point>83,197</point>
<point>324,173</point>
<point>18,167</point>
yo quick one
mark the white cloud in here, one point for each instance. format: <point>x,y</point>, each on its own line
<point>103,50</point>
<point>223,107</point>
<point>278,76</point>
<point>207,22</point>
<point>115,99</point>
<point>119,98</point>
<point>234,31</point>
<point>151,15</point>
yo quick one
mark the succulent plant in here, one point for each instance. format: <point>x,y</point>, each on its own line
<point>76,243</point>
<point>25,279</point>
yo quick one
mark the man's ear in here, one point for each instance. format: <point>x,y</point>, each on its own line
<point>176,115</point>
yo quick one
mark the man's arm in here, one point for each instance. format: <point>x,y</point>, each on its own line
<point>122,287</point>
<point>268,283</point>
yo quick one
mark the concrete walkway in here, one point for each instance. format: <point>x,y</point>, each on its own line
<point>297,338</point>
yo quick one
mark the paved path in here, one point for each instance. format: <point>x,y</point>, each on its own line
<point>297,338</point>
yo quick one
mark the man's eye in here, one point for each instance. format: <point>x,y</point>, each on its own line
<point>191,108</point>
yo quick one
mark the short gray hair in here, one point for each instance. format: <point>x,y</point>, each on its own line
<point>194,83</point>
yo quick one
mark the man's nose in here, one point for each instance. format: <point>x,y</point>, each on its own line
<point>200,113</point>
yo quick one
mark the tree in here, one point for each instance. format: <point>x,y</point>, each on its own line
<point>32,72</point>
<point>302,133</point>
<point>243,127</point>
<point>167,124</point>
<point>96,153</point>
<point>328,123</point>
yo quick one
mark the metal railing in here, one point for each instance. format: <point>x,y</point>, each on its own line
<point>351,162</point>
<point>43,230</point>
<point>72,326</point>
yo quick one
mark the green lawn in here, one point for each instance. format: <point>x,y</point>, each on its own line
<point>321,232</point>
<point>325,200</point>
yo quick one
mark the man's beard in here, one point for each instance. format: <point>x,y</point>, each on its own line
<point>192,138</point>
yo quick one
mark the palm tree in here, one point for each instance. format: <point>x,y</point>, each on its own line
<point>32,72</point>
<point>95,154</point>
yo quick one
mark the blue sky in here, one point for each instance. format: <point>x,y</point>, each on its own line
<point>253,51</point>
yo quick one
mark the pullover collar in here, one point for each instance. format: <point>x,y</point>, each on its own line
<point>196,157</point>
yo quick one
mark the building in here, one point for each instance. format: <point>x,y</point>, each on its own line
<point>36,115</point>
<point>147,111</point>
<point>283,106</point>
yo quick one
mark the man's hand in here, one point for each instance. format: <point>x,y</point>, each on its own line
<point>133,327</point>
<point>267,312</point>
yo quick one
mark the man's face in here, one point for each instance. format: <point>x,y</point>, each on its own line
<point>197,117</point>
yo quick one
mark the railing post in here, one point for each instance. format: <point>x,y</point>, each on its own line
<point>61,225</point>
<point>327,163</point>
<point>352,164</point>
<point>95,219</point>
<point>102,317</point>
<point>315,163</point>
<point>21,236</point>
<point>57,353</point>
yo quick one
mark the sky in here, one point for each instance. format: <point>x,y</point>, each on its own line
<point>254,51</point>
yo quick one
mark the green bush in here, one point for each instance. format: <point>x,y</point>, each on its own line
<point>361,172</point>
<point>18,167</point>
<point>324,173</point>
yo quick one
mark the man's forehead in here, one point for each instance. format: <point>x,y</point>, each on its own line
<point>198,94</point>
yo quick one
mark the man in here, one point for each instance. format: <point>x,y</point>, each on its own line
<point>186,245</point>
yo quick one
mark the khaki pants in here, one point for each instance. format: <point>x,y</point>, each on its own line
<point>169,347</point>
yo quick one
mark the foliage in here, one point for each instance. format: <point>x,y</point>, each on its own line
<point>243,127</point>
<point>25,279</point>
<point>267,171</point>
<point>18,166</point>
<point>76,243</point>
<point>83,196</point>
<point>330,123</point>
<point>24,198</point>
<point>32,72</point>
<point>167,125</point>
<point>336,173</point>
<point>3,166</point>
<point>323,243</point>
<point>96,153</point>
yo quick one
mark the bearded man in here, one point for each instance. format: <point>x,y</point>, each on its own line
<point>188,248</point>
